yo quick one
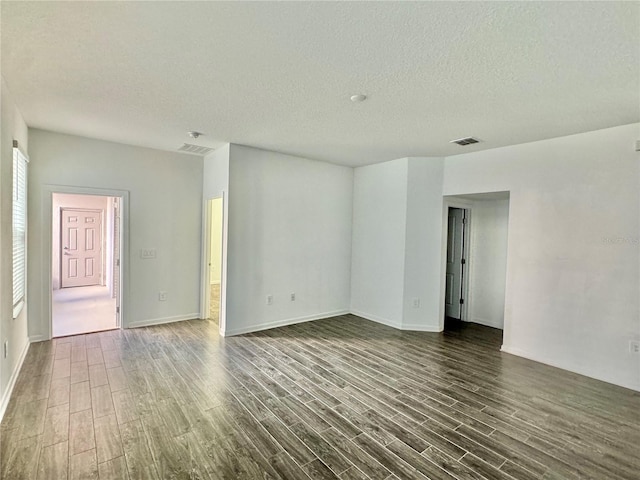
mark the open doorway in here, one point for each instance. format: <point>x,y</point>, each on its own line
<point>85,253</point>
<point>214,259</point>
<point>456,271</point>
<point>475,255</point>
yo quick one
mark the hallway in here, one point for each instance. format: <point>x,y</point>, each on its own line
<point>83,310</point>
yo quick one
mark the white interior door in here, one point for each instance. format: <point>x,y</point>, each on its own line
<point>455,263</point>
<point>81,247</point>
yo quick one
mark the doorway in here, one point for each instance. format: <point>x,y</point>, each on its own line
<point>214,259</point>
<point>474,262</point>
<point>455,283</point>
<point>85,252</point>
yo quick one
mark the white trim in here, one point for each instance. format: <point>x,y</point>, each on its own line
<point>375,318</point>
<point>160,321</point>
<point>205,245</point>
<point>283,323</point>
<point>467,294</point>
<point>414,327</point>
<point>45,283</point>
<point>205,253</point>
<point>37,338</point>
<point>12,380</point>
<point>487,322</point>
<point>325,315</point>
<point>222,314</point>
<point>534,358</point>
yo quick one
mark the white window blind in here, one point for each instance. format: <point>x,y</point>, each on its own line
<point>19,208</point>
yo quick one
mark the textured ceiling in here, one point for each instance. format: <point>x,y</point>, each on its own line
<point>279,75</point>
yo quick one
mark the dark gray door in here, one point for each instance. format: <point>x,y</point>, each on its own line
<point>455,263</point>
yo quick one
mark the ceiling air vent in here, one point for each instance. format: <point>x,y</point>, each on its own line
<point>195,149</point>
<point>465,141</point>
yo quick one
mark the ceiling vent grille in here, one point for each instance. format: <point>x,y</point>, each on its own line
<point>195,149</point>
<point>465,141</point>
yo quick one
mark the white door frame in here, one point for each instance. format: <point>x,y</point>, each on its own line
<point>205,286</point>
<point>466,291</point>
<point>47,226</point>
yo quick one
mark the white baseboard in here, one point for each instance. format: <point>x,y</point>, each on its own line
<point>281,323</point>
<point>487,323</point>
<point>160,321</point>
<point>377,319</point>
<point>12,381</point>
<point>416,327</point>
<point>413,327</point>
<point>533,357</point>
<point>37,338</point>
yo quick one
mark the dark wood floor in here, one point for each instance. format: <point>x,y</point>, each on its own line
<point>337,398</point>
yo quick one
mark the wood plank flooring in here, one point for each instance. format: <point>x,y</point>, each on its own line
<point>338,398</point>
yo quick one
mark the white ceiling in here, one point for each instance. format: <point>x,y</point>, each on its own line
<point>278,75</point>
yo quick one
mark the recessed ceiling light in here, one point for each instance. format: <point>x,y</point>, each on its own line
<point>194,134</point>
<point>358,98</point>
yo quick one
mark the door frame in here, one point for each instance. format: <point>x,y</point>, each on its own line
<point>205,256</point>
<point>466,253</point>
<point>46,265</point>
<point>102,240</point>
<point>462,266</point>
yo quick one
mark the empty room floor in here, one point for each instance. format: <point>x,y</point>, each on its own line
<point>82,309</point>
<point>337,398</point>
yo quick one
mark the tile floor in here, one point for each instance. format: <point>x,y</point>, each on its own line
<point>82,310</point>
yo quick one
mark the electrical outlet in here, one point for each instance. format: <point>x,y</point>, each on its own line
<point>269,299</point>
<point>148,253</point>
<point>293,297</point>
<point>416,303</point>
<point>634,346</point>
<point>162,296</point>
<point>6,349</point>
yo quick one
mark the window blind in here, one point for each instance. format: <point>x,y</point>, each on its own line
<point>19,209</point>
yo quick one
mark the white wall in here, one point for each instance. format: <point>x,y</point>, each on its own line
<point>378,246</point>
<point>396,243</point>
<point>216,173</point>
<point>165,213</point>
<point>572,263</point>
<point>75,201</point>
<point>422,260</point>
<point>13,331</point>
<point>488,266</point>
<point>289,231</point>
